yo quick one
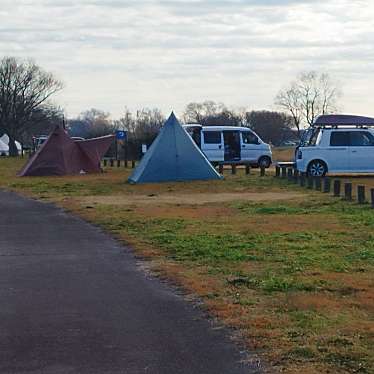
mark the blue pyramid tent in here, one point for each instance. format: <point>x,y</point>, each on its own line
<point>173,156</point>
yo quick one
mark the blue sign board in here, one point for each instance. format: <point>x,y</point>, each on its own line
<point>121,135</point>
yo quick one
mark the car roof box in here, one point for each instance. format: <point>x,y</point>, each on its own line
<point>343,120</point>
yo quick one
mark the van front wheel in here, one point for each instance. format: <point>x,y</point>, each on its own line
<point>317,168</point>
<point>264,162</point>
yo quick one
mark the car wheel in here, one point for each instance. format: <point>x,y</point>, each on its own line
<point>317,168</point>
<point>264,162</point>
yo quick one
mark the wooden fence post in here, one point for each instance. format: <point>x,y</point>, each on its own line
<point>326,185</point>
<point>277,171</point>
<point>337,186</point>
<point>105,162</point>
<point>133,164</point>
<point>233,169</point>
<point>302,180</point>
<point>290,174</point>
<point>318,184</point>
<point>372,197</point>
<point>296,176</point>
<point>220,168</point>
<point>126,164</point>
<point>284,172</point>
<point>247,169</point>
<point>348,191</point>
<point>111,162</point>
<point>310,182</point>
<point>361,194</point>
<point>118,163</point>
<point>262,171</point>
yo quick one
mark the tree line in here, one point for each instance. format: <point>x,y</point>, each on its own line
<point>26,110</point>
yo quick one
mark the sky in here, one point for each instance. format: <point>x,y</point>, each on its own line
<point>113,54</point>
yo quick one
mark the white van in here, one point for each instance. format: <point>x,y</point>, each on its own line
<point>337,144</point>
<point>230,144</point>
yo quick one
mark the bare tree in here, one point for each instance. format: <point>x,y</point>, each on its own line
<point>24,89</point>
<point>91,124</point>
<point>272,127</point>
<point>210,113</point>
<point>311,95</point>
<point>197,112</point>
<point>142,128</point>
<point>42,121</point>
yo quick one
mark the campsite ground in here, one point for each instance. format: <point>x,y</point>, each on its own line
<point>291,270</point>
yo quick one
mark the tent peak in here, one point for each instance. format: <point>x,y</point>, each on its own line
<point>172,120</point>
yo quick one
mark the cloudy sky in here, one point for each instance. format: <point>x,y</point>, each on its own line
<point>167,53</point>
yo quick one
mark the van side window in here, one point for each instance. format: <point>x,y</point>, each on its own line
<point>339,138</point>
<point>212,137</point>
<point>361,139</point>
<point>249,138</point>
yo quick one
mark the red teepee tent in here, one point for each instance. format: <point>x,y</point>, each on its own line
<point>61,155</point>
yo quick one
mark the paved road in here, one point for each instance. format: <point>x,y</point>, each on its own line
<point>72,300</point>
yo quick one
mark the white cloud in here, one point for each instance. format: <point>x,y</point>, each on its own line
<point>117,53</point>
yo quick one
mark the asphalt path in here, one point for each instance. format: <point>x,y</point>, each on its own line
<point>74,301</point>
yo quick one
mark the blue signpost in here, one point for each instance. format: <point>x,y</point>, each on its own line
<point>121,135</point>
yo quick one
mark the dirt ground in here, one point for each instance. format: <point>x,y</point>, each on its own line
<point>190,199</point>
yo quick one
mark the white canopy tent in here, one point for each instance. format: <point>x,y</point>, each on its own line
<point>5,139</point>
<point>4,149</point>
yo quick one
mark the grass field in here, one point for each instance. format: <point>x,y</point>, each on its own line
<point>290,270</point>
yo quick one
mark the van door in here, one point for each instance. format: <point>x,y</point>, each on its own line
<point>212,145</point>
<point>361,151</point>
<point>250,147</point>
<point>337,155</point>
<point>231,141</point>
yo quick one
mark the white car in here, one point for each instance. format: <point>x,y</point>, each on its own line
<point>337,144</point>
<point>230,144</point>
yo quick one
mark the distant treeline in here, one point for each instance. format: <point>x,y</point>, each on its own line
<point>143,125</point>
